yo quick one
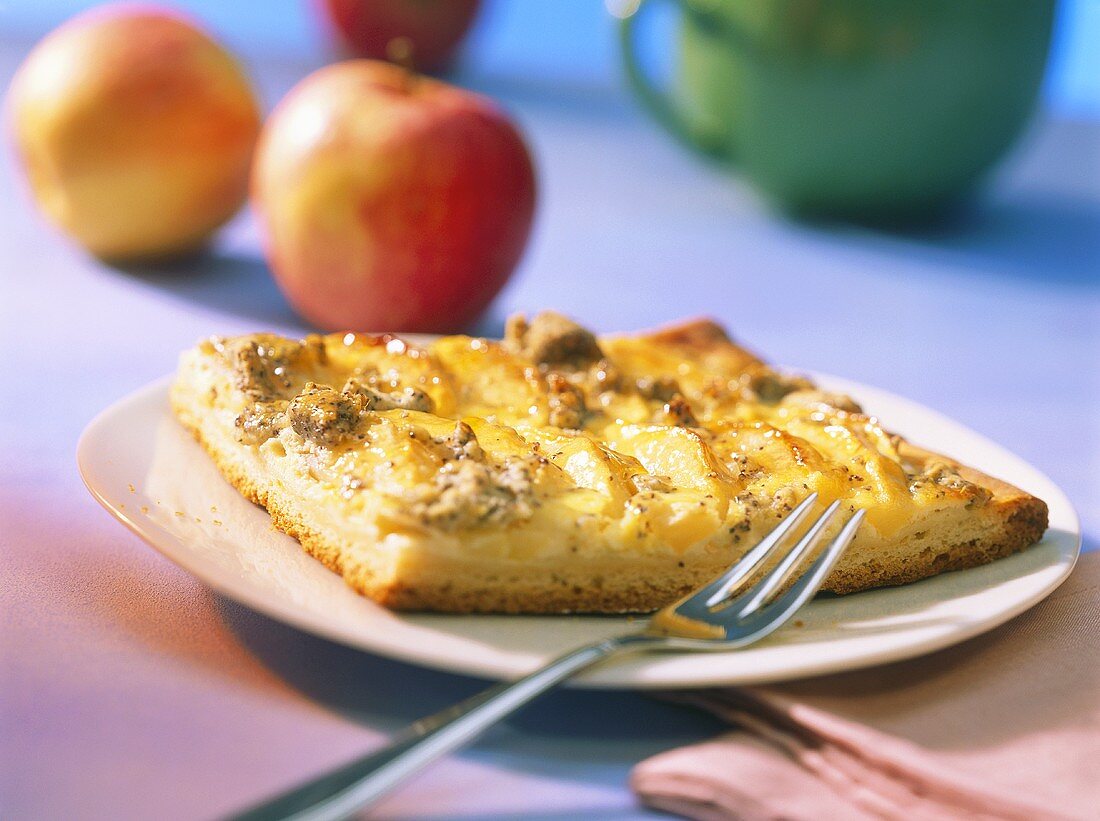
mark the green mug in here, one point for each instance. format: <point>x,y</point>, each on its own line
<point>865,109</point>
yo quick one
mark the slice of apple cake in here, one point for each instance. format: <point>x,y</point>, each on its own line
<point>554,471</point>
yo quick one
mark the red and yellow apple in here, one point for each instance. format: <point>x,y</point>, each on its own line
<point>433,28</point>
<point>136,131</point>
<point>389,200</point>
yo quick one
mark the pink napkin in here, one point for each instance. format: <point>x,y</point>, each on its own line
<point>1004,726</point>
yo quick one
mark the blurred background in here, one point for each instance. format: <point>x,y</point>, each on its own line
<point>570,45</point>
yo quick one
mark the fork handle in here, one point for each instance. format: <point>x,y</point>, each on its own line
<point>362,782</point>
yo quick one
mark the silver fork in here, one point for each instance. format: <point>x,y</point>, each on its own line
<point>718,616</point>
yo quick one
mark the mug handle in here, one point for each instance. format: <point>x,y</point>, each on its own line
<point>658,102</point>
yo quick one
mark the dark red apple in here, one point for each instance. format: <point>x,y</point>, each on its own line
<point>434,28</point>
<point>390,200</point>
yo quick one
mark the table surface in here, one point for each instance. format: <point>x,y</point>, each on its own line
<point>127,689</point>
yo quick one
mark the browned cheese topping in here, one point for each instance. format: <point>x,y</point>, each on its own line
<point>742,418</point>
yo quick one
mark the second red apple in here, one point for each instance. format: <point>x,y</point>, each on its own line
<point>391,201</point>
<point>433,29</point>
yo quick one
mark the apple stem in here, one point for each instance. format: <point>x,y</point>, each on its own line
<point>399,51</point>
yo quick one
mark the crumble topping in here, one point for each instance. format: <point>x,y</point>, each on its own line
<point>460,444</point>
<point>552,339</point>
<point>319,413</point>
<point>766,385</point>
<point>376,400</point>
<point>324,415</point>
<point>605,375</point>
<point>677,411</point>
<point>467,492</point>
<point>261,368</point>
<point>566,401</point>
<point>550,365</point>
<point>661,388</point>
<point>261,422</point>
<point>468,489</point>
<point>943,475</point>
<point>263,364</point>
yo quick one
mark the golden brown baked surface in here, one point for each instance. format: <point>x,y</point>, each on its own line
<point>555,471</point>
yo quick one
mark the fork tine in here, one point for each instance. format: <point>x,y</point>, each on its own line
<point>786,568</point>
<point>718,589</point>
<point>783,607</point>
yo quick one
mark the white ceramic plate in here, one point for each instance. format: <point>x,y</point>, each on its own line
<point>148,472</point>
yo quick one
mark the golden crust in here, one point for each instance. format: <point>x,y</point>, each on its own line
<point>1017,520</point>
<point>420,577</point>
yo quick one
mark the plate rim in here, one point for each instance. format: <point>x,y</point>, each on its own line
<point>282,610</point>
